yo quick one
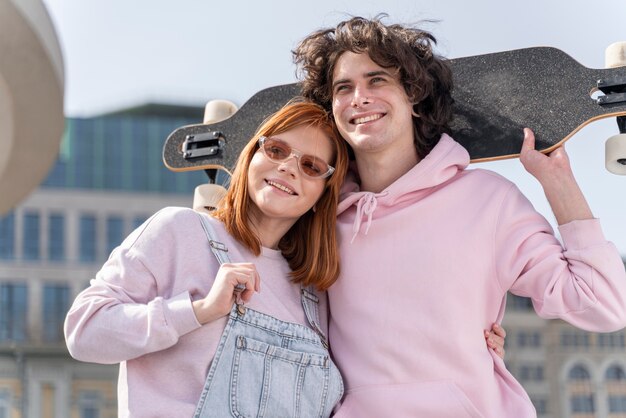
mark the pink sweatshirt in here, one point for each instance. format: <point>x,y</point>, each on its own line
<point>426,265</point>
<point>138,311</point>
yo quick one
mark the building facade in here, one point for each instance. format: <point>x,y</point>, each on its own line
<point>109,178</point>
<point>567,372</point>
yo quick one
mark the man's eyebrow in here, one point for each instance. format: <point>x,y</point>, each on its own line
<point>379,72</point>
<point>342,81</point>
<point>368,74</point>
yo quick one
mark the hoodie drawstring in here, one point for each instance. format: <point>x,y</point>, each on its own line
<point>367,205</point>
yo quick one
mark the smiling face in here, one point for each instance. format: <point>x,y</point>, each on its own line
<point>279,191</point>
<point>371,108</point>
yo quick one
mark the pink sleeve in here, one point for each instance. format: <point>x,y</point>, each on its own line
<point>582,282</point>
<point>123,313</point>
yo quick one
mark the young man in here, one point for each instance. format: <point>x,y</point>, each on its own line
<point>429,248</point>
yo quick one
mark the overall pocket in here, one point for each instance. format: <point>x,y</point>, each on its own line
<point>272,381</point>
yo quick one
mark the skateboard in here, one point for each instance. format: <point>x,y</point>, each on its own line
<point>496,95</point>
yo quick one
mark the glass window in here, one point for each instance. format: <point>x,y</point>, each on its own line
<point>56,299</point>
<point>57,175</point>
<point>13,310</point>
<point>85,154</point>
<point>89,404</point>
<point>617,403</point>
<point>169,180</point>
<point>531,373</point>
<point>56,237</point>
<point>120,153</point>
<point>612,340</point>
<point>579,372</point>
<point>31,235</point>
<point>139,220</point>
<point>575,339</point>
<point>113,154</point>
<point>529,339</point>
<point>5,403</point>
<point>518,303</point>
<point>139,157</point>
<point>87,242</point>
<point>582,403</point>
<point>56,178</point>
<point>7,237</point>
<point>615,373</point>
<point>115,232</point>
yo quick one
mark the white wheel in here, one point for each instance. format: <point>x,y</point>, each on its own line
<point>615,154</point>
<point>218,110</point>
<point>207,196</point>
<point>31,98</point>
<point>615,55</point>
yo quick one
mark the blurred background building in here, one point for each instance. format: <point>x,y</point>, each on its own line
<point>567,372</point>
<point>108,179</point>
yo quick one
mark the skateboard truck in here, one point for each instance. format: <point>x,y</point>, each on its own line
<point>614,90</point>
<point>207,196</point>
<point>203,145</point>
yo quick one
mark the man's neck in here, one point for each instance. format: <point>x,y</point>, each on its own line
<point>379,170</point>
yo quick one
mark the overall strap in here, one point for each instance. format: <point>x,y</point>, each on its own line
<point>219,249</point>
<point>310,302</point>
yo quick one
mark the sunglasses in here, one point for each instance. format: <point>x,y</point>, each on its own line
<point>278,151</point>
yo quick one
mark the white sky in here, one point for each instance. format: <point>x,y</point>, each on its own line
<point>126,52</point>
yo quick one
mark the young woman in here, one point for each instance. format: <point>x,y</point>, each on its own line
<point>187,339</point>
<point>224,314</point>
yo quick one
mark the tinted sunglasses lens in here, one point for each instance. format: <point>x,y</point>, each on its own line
<point>313,167</point>
<point>276,150</point>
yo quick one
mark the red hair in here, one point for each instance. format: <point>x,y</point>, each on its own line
<point>310,245</point>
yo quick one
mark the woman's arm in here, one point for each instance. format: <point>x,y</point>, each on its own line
<point>139,301</point>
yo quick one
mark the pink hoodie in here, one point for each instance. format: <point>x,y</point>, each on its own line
<point>426,265</point>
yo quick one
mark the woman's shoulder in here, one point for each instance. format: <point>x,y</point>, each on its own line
<point>169,223</point>
<point>179,217</point>
<point>176,213</point>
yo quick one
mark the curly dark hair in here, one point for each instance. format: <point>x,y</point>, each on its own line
<point>426,77</point>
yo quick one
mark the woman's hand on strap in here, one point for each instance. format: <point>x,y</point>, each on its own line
<point>233,280</point>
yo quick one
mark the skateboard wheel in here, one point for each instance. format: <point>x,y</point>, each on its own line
<point>218,110</point>
<point>615,55</point>
<point>207,196</point>
<point>615,153</point>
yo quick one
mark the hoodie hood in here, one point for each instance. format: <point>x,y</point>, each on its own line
<point>444,162</point>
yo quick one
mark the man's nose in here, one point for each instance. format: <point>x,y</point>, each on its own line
<point>360,97</point>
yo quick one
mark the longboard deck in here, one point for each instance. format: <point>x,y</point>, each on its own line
<point>496,96</point>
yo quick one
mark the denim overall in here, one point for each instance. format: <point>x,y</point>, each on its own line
<point>264,367</point>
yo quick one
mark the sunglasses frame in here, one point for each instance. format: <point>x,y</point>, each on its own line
<point>297,155</point>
